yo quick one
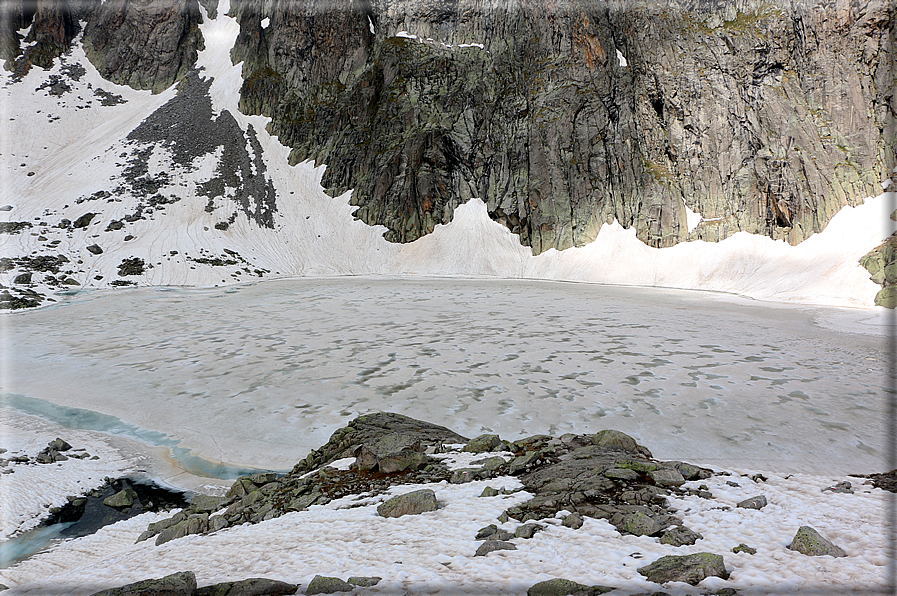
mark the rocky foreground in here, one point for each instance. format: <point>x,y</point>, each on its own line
<point>606,475</point>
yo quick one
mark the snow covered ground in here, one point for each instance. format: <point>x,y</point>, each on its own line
<point>433,553</point>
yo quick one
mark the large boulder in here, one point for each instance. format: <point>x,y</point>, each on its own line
<point>182,583</point>
<point>322,584</point>
<point>254,586</point>
<point>411,503</point>
<point>565,587</point>
<point>690,569</point>
<point>808,541</point>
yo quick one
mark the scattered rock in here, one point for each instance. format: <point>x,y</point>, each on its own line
<point>411,503</point>
<point>744,548</point>
<point>489,492</point>
<point>809,542</point>
<point>493,545</point>
<point>686,568</point>
<point>841,487</point>
<point>565,587</point>
<point>639,524</point>
<point>95,249</point>
<point>84,220</point>
<point>328,585</point>
<point>758,502</point>
<point>177,584</point>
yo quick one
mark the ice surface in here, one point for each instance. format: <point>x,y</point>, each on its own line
<point>278,366</point>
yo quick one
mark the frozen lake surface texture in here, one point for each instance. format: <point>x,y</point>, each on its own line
<point>258,375</point>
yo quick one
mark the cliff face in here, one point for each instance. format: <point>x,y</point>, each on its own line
<point>766,117</point>
<point>561,116</point>
<point>147,44</point>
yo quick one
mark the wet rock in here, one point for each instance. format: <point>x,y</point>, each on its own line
<point>809,542</point>
<point>411,503</point>
<point>122,499</point>
<point>565,587</point>
<point>177,584</point>
<point>758,502</point>
<point>328,585</point>
<point>255,586</point>
<point>691,569</point>
<point>493,545</point>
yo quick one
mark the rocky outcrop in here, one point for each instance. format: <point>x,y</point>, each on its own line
<point>881,263</point>
<point>146,44</point>
<point>766,117</point>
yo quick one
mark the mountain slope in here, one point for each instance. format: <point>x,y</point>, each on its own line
<point>104,185</point>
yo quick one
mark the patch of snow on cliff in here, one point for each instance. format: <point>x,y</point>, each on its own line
<point>622,59</point>
<point>265,22</point>
<point>692,218</point>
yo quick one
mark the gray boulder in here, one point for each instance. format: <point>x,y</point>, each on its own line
<point>483,443</point>
<point>574,521</point>
<point>493,545</point>
<point>808,541</point>
<point>327,585</point>
<point>207,503</point>
<point>565,587</point>
<point>194,524</point>
<point>758,502</point>
<point>639,524</point>
<point>122,499</point>
<point>411,503</point>
<point>527,530</point>
<point>667,477</point>
<point>182,583</point>
<point>618,440</point>
<point>58,444</point>
<point>691,569</point>
<point>680,536</point>
<point>254,586</point>
<point>364,582</point>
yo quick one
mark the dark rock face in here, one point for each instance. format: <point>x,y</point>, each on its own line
<point>54,24</point>
<point>767,120</point>
<point>147,44</point>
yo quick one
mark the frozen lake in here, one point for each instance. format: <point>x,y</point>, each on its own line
<point>258,375</point>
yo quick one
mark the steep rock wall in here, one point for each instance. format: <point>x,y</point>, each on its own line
<point>759,116</point>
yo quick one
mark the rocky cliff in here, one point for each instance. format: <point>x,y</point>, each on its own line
<point>764,117</point>
<point>685,119</point>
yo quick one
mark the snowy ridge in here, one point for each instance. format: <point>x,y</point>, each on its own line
<point>80,152</point>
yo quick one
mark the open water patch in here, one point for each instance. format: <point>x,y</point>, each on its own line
<point>84,419</point>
